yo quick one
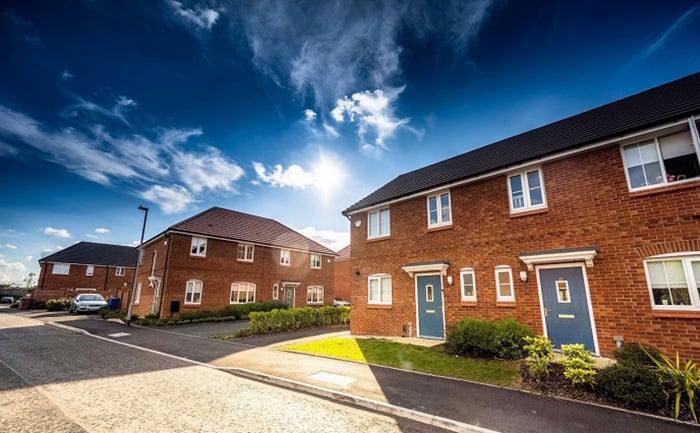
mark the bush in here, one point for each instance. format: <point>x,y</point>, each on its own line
<point>60,304</point>
<point>486,339</point>
<point>632,386</point>
<point>683,379</point>
<point>279,320</point>
<point>540,351</point>
<point>635,354</point>
<point>579,366</point>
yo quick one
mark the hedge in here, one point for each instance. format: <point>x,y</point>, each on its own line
<point>487,339</point>
<point>291,320</point>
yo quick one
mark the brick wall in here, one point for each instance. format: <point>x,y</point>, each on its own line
<point>104,280</point>
<point>588,204</point>
<point>342,279</point>
<point>220,268</point>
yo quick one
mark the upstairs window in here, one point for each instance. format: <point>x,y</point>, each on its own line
<point>661,160</point>
<point>285,257</point>
<point>314,295</point>
<point>242,293</point>
<point>119,272</point>
<point>674,282</point>
<point>439,210</point>
<point>315,261</point>
<point>198,247</point>
<point>526,191</point>
<point>245,252</point>
<point>504,284</point>
<point>90,270</point>
<point>378,223</point>
<point>60,269</point>
<point>193,292</point>
<point>468,284</point>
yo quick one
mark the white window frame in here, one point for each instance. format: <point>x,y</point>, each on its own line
<point>248,251</point>
<point>90,270</point>
<point>375,229</point>
<point>285,257</point>
<point>119,271</point>
<point>504,269</point>
<point>198,247</point>
<point>192,288</point>
<point>275,292</point>
<point>462,273</point>
<point>314,295</point>
<point>664,178</point>
<point>527,199</point>
<point>61,269</point>
<point>315,261</point>
<point>379,278</point>
<point>153,262</point>
<point>441,222</point>
<point>249,288</point>
<point>691,279</point>
<point>137,295</point>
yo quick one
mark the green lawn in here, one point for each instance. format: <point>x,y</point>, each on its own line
<point>415,358</point>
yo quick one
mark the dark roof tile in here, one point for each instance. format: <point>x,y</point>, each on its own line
<point>90,253</point>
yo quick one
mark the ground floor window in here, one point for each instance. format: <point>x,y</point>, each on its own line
<point>137,295</point>
<point>674,282</point>
<point>379,289</point>
<point>314,295</point>
<point>468,283</point>
<point>275,292</point>
<point>193,292</point>
<point>242,293</point>
<point>504,284</point>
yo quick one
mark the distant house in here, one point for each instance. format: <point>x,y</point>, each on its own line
<point>221,257</point>
<point>587,229</point>
<point>341,279</point>
<point>86,267</point>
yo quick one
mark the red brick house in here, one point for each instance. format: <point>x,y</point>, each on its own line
<point>86,267</point>
<point>220,257</point>
<point>342,277</point>
<point>587,229</point>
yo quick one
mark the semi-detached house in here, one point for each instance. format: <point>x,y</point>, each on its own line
<point>221,257</point>
<point>587,229</point>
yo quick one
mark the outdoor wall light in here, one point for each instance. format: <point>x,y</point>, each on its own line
<point>450,280</point>
<point>358,223</point>
<point>523,276</point>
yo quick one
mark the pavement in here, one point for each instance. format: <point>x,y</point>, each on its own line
<point>450,404</point>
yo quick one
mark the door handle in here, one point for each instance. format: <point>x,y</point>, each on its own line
<point>546,312</point>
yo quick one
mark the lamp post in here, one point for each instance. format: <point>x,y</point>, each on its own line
<point>136,270</point>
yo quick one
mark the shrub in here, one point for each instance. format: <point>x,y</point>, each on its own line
<point>280,320</point>
<point>635,354</point>
<point>57,304</point>
<point>579,366</point>
<point>540,351</point>
<point>681,379</point>
<point>632,386</point>
<point>486,339</point>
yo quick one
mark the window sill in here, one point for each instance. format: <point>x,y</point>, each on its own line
<point>464,303</point>
<point>525,213</point>
<point>505,304</point>
<point>245,261</point>
<point>674,186</point>
<point>379,306</point>
<point>675,314</point>
<point>379,238</point>
<point>439,228</point>
<point>197,257</point>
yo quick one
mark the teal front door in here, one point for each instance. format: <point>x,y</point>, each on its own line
<point>431,318</point>
<point>566,307</point>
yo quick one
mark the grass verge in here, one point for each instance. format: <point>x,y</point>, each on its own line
<point>414,358</point>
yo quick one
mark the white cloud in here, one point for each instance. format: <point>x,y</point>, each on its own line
<point>309,115</point>
<point>171,199</point>
<point>200,17</point>
<point>681,22</point>
<point>373,113</point>
<point>91,236</point>
<point>59,233</point>
<point>28,258</point>
<point>211,171</point>
<point>10,246</point>
<point>331,130</point>
<point>293,176</point>
<point>66,75</point>
<point>332,239</point>
<point>12,272</point>
<point>101,230</point>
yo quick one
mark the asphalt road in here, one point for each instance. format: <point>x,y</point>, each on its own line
<point>53,380</point>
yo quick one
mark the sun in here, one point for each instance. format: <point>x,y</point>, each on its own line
<point>328,174</point>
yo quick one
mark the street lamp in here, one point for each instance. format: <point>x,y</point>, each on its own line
<point>136,271</point>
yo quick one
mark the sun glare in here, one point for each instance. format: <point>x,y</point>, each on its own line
<point>328,173</point>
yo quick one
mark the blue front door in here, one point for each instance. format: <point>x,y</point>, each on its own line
<point>431,320</point>
<point>565,303</point>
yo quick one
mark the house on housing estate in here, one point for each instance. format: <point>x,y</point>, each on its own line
<point>86,267</point>
<point>587,229</point>
<point>342,277</point>
<point>220,257</point>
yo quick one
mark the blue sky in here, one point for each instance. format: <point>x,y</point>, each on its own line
<point>292,110</point>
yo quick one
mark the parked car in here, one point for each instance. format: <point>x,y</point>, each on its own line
<point>337,302</point>
<point>7,300</point>
<point>87,302</point>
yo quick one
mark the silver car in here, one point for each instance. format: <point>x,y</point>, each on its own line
<point>87,302</point>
